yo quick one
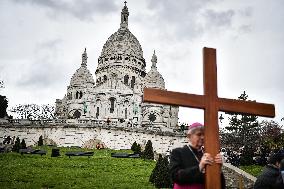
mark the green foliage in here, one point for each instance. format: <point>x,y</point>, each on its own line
<point>247,156</point>
<point>17,145</point>
<point>272,134</point>
<point>136,148</point>
<point>160,175</point>
<point>243,128</point>
<point>23,144</point>
<point>99,171</point>
<point>40,141</point>
<point>3,106</point>
<point>254,170</point>
<point>148,152</point>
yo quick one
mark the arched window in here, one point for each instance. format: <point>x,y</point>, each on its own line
<point>98,112</point>
<point>81,94</point>
<point>77,114</point>
<point>77,95</point>
<point>132,82</point>
<point>105,77</point>
<point>125,112</point>
<point>126,77</point>
<point>70,97</point>
<point>112,100</point>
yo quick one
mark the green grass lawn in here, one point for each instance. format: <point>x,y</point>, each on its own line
<point>98,171</point>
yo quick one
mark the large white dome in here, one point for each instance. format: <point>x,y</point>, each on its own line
<point>122,49</point>
<point>122,42</point>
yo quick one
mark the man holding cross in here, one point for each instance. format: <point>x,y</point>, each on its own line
<point>187,164</point>
<point>211,104</point>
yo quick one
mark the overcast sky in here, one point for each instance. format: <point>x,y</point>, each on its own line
<point>41,42</point>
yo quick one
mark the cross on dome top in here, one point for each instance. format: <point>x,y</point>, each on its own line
<point>124,16</point>
<point>154,60</point>
<point>84,58</point>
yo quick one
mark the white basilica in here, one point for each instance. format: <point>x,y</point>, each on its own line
<point>117,92</point>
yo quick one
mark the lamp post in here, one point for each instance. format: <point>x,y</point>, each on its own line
<point>221,118</point>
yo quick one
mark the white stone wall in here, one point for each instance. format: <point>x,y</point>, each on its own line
<point>72,135</point>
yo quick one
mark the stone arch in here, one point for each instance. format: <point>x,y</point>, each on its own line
<point>91,144</point>
<point>48,141</point>
<point>75,113</point>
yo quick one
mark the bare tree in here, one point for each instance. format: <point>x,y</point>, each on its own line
<point>33,111</point>
<point>47,111</point>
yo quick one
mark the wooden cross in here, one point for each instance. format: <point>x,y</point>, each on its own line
<point>211,104</point>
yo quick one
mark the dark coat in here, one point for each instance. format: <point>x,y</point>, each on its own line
<point>184,168</point>
<point>270,178</point>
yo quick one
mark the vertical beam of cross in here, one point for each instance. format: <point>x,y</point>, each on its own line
<point>211,143</point>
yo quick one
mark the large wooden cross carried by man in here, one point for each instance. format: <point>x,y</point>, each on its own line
<point>211,104</point>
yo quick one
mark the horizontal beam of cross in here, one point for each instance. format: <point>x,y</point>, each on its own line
<point>198,101</point>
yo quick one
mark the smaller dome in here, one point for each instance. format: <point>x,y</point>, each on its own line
<point>154,79</point>
<point>82,75</point>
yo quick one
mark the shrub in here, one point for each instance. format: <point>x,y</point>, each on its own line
<point>148,152</point>
<point>247,156</point>
<point>40,141</point>
<point>133,147</point>
<point>17,145</point>
<point>136,148</point>
<point>160,176</point>
<point>155,170</point>
<point>23,144</point>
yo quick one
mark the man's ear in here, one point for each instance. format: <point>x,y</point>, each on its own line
<point>277,164</point>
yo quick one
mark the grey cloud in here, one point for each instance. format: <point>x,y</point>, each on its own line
<point>179,16</point>
<point>188,19</point>
<point>81,9</point>
<point>219,19</point>
<point>245,28</point>
<point>45,68</point>
<point>49,44</point>
<point>248,11</point>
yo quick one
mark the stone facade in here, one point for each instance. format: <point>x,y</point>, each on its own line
<point>117,91</point>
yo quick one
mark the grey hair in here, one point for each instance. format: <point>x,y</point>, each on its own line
<point>191,131</point>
